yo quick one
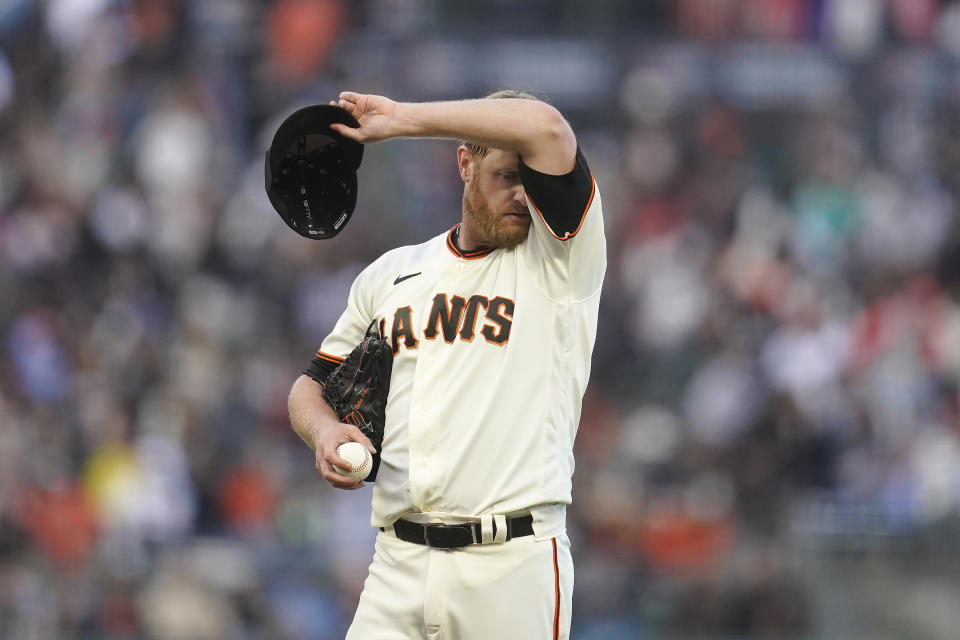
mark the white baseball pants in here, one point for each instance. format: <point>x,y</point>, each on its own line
<point>518,589</point>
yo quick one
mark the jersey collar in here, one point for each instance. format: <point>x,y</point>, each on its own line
<point>466,255</point>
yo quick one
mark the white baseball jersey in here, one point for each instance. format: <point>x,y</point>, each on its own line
<point>492,354</point>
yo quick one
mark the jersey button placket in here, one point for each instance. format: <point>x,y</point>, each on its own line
<point>421,434</point>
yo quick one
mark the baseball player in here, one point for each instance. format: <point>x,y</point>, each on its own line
<point>492,325</point>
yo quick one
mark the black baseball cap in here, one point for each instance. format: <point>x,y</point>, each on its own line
<point>310,172</point>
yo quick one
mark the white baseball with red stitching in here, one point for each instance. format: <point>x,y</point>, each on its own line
<point>359,458</point>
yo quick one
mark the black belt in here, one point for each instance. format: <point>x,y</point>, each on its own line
<point>450,536</point>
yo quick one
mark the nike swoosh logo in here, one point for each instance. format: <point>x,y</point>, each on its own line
<point>402,278</point>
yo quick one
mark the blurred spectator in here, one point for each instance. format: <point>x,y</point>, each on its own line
<point>301,36</point>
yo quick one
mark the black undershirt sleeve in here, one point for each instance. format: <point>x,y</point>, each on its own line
<point>561,200</point>
<point>320,369</point>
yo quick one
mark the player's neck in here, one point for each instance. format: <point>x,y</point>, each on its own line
<point>467,240</point>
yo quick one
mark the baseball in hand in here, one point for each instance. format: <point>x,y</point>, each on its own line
<point>359,458</point>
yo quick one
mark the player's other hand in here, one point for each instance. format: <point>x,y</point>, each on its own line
<point>332,435</point>
<point>376,115</point>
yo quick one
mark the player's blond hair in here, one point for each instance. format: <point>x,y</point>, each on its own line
<point>480,151</point>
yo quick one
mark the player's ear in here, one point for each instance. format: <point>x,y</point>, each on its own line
<point>465,163</point>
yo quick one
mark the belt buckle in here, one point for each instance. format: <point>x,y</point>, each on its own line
<point>449,536</point>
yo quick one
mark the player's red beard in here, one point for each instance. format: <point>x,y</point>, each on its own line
<point>491,227</point>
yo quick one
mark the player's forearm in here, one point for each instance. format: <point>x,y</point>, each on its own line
<point>309,412</point>
<point>533,129</point>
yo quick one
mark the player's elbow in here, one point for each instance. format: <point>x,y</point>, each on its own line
<point>293,398</point>
<point>303,387</point>
<point>554,147</point>
<point>555,129</point>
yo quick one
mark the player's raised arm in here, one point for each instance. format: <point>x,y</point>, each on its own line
<point>533,129</point>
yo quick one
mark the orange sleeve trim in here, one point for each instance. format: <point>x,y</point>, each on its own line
<point>328,357</point>
<point>583,216</point>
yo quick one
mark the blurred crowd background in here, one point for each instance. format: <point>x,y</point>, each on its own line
<point>770,442</point>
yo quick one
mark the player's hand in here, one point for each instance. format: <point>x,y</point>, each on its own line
<point>376,115</point>
<point>332,435</point>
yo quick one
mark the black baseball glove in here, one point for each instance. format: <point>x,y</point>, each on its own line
<point>357,389</point>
